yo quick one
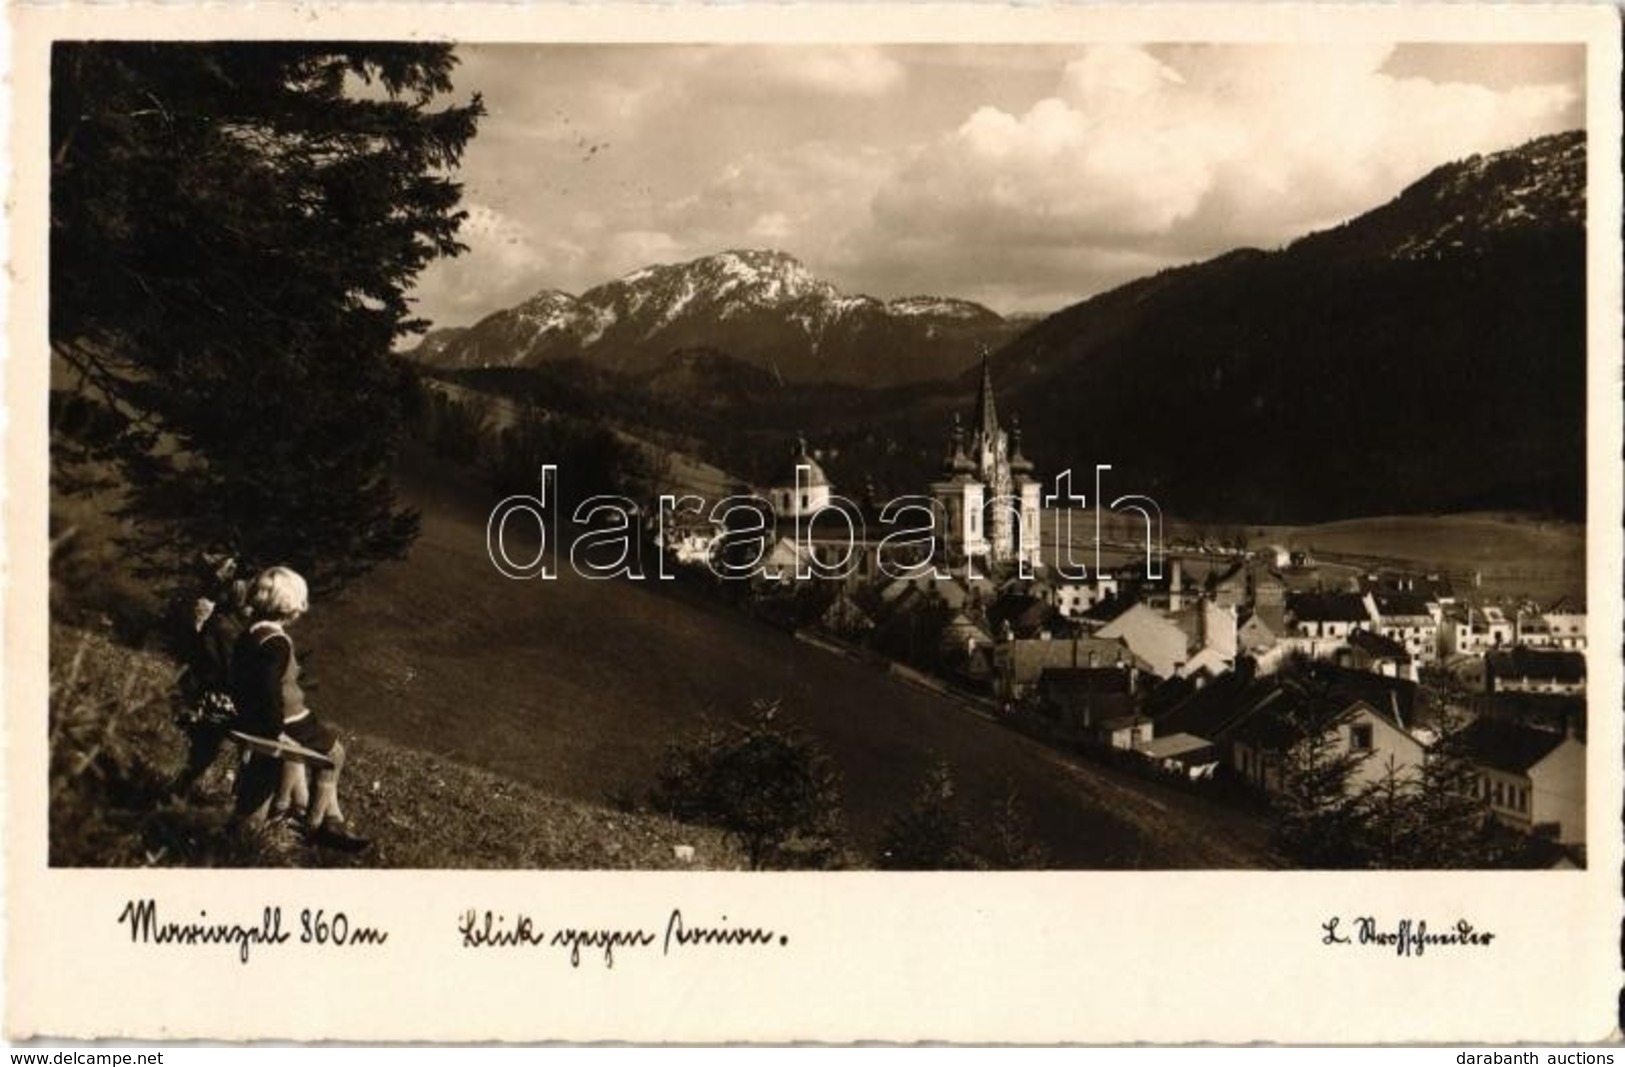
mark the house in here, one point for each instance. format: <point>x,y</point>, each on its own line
<point>1566,625</point>
<point>1373,652</point>
<point>1474,631</point>
<point>1093,703</point>
<point>963,633</point>
<point>1207,625</point>
<point>1394,697</point>
<point>787,557</point>
<point>1127,732</point>
<point>1267,595</point>
<point>1433,587</point>
<point>1334,615</point>
<point>1021,615</point>
<point>1073,598</point>
<point>1254,635</point>
<point>1105,610</point>
<point>1181,754</point>
<point>689,538</point>
<point>1151,636</point>
<point>1531,630</point>
<point>1229,589</point>
<point>1262,745</point>
<point>1210,712</point>
<point>1535,670</point>
<point>1018,664</point>
<point>1530,778</point>
<point>960,591</point>
<point>1248,720</point>
<point>1206,663</point>
<point>1410,620</point>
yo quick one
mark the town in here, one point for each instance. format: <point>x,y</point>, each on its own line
<point>1206,673</point>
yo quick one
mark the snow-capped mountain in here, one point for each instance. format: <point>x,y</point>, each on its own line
<point>762,307</point>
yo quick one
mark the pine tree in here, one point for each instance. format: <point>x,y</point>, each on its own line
<point>234,229</point>
<point>932,834</point>
<point>1449,812</point>
<point>764,783</point>
<point>1320,820</point>
<point>1015,845</point>
<point>1392,830</point>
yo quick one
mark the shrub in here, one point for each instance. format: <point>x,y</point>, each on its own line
<point>114,755</point>
<point>932,835</point>
<point>761,781</point>
<point>106,714</point>
<point>935,834</point>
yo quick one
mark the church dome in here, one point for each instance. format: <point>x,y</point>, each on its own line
<point>785,475</point>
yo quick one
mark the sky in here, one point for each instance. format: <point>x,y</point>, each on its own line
<point>1023,177</point>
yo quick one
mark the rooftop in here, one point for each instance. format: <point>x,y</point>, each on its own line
<point>1524,662</point>
<point>1508,746</point>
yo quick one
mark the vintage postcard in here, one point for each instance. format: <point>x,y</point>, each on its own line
<point>881,523</point>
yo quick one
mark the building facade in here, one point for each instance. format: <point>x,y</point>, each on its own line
<point>988,493</point>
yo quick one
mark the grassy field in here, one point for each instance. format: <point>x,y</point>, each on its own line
<point>576,687</point>
<point>115,750</point>
<point>1516,556</point>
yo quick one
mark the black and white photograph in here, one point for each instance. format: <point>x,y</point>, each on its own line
<point>1073,455</point>
<point>777,457</point>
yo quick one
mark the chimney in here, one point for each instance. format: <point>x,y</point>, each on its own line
<point>1176,584</point>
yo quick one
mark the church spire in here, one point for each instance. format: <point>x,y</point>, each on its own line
<point>1019,464</point>
<point>987,419</point>
<point>957,461</point>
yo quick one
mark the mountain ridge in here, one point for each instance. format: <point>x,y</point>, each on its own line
<point>762,306</point>
<point>1428,354</point>
<point>1425,356</point>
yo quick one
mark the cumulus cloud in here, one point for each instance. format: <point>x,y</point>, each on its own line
<point>1028,176</point>
<point>851,71</point>
<point>1188,150</point>
<point>503,256</point>
<point>498,238</point>
<point>810,199</point>
<point>631,249</point>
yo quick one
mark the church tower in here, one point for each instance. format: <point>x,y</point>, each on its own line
<point>988,490</point>
<point>990,448</point>
<point>1026,491</point>
<point>960,493</point>
<point>799,486</point>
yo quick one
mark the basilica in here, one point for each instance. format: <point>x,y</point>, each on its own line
<point>986,498</point>
<point>987,491</point>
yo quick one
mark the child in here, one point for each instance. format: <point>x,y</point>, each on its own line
<point>207,711</point>
<point>270,703</point>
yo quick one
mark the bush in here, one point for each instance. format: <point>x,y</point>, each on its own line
<point>761,781</point>
<point>935,834</point>
<point>114,755</point>
<point>932,835</point>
